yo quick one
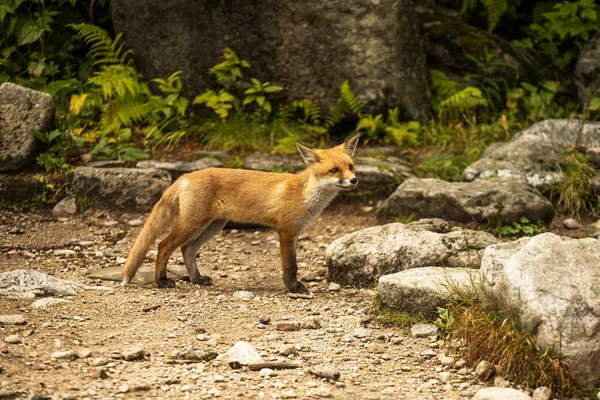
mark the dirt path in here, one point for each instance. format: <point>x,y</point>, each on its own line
<point>374,362</point>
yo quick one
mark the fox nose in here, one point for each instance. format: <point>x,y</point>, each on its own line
<point>353,180</point>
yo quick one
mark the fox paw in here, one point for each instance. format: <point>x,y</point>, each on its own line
<point>203,281</point>
<point>297,287</point>
<point>165,283</point>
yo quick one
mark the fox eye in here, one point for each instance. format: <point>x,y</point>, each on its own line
<point>334,170</point>
<point>351,167</point>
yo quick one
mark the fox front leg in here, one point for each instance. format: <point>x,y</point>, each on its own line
<point>287,243</point>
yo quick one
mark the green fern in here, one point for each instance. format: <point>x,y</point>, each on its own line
<point>460,102</point>
<point>495,9</point>
<point>117,80</point>
<point>348,97</point>
<point>104,49</point>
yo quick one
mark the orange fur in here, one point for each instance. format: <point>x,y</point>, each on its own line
<point>198,204</point>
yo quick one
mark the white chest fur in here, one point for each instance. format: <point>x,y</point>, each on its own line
<point>316,201</point>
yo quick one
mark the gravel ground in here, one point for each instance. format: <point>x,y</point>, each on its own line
<point>98,326</point>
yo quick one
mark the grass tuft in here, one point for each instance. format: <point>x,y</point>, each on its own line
<point>574,193</point>
<point>495,336</point>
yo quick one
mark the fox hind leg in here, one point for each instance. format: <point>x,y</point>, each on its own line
<point>177,238</point>
<point>190,249</point>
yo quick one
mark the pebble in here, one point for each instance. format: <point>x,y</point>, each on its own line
<point>571,223</point>
<point>542,393</point>
<point>374,348</point>
<point>396,340</point>
<point>446,361</point>
<point>445,376</point>
<point>135,222</point>
<point>287,326</point>
<point>334,287</point>
<point>99,362</point>
<point>48,302</point>
<point>100,374</point>
<point>324,392</point>
<point>214,392</point>
<point>243,353</point>
<point>290,394</point>
<point>124,388</point>
<point>312,323</point>
<point>288,349</point>
<point>243,295</point>
<point>499,381</point>
<point>14,319</point>
<point>361,332</point>
<point>12,339</point>
<point>492,393</point>
<point>423,330</point>
<point>84,353</point>
<point>429,353</point>
<point>64,355</point>
<point>133,353</point>
<point>267,372</point>
<point>64,253</point>
<point>484,369</point>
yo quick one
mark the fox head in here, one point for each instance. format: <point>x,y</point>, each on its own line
<point>333,167</point>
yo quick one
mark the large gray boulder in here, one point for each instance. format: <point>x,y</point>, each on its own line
<point>587,69</point>
<point>22,111</point>
<point>535,159</point>
<point>360,258</point>
<point>274,162</point>
<point>123,188</point>
<point>29,283</point>
<point>423,290</point>
<point>483,200</point>
<point>308,47</point>
<point>551,284</point>
<point>565,132</point>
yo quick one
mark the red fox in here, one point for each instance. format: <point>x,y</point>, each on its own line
<point>198,204</point>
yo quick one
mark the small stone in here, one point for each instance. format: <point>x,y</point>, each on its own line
<point>447,361</point>
<point>12,339</point>
<point>84,353</point>
<point>542,393</point>
<point>423,330</point>
<point>290,394</point>
<point>429,353</point>
<point>361,333</point>
<point>374,348</point>
<point>141,387</point>
<point>484,370</point>
<point>243,353</point>
<point>499,381</point>
<point>571,223</point>
<point>64,355</point>
<point>334,287</point>
<point>267,372</point>
<point>66,207</point>
<point>396,340</point>
<point>214,392</point>
<point>287,326</point>
<point>219,378</point>
<point>15,319</point>
<point>99,362</point>
<point>100,374</point>
<point>460,363</point>
<point>48,302</point>
<point>243,295</point>
<point>312,323</point>
<point>64,253</point>
<point>288,349</point>
<point>445,376</point>
<point>265,320</point>
<point>492,393</point>
<point>324,392</point>
<point>133,353</point>
<point>124,388</point>
<point>202,337</point>
<point>309,276</point>
<point>135,222</point>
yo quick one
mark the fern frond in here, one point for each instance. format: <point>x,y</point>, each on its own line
<point>495,9</point>
<point>348,97</point>
<point>442,86</point>
<point>117,80</point>
<point>335,115</point>
<point>468,98</point>
<point>104,49</point>
<point>130,112</point>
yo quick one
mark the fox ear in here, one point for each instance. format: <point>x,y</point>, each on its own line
<point>310,156</point>
<point>350,145</point>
